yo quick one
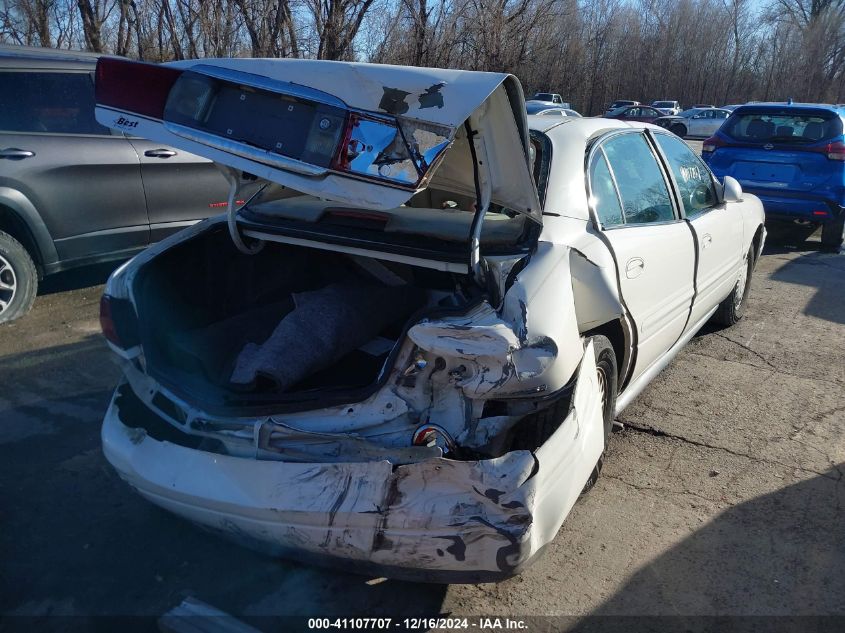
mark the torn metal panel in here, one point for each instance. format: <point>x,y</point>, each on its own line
<point>436,519</point>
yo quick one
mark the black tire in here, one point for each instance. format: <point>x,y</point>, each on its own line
<point>833,233</point>
<point>18,279</point>
<point>679,129</point>
<point>733,307</point>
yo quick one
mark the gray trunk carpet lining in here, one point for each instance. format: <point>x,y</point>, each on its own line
<point>325,325</point>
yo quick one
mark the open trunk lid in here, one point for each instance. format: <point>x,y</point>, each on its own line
<point>366,135</point>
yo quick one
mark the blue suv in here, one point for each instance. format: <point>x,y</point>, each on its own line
<point>791,156</point>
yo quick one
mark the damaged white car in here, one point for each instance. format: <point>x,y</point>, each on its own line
<point>406,352</point>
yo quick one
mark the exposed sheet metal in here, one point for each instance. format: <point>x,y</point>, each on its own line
<point>437,519</point>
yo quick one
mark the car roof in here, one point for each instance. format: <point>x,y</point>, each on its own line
<point>35,57</point>
<point>581,126</point>
<point>774,106</point>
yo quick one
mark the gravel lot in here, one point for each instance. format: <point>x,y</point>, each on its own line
<point>723,495</point>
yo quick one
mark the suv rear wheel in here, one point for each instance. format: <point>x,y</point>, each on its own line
<point>832,233</point>
<point>18,279</point>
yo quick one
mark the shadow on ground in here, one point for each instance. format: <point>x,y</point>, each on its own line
<point>77,541</point>
<point>778,554</point>
<point>828,302</point>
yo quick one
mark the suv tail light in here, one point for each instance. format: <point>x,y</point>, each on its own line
<point>836,151</point>
<point>134,86</point>
<point>712,144</point>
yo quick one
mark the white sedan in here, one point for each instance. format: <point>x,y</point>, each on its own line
<point>406,354</point>
<point>697,122</point>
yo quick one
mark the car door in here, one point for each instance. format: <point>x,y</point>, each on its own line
<point>84,181</point>
<point>715,122</point>
<point>181,188</point>
<point>717,226</point>
<point>653,247</point>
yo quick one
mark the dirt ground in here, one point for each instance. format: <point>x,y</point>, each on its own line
<point>723,495</point>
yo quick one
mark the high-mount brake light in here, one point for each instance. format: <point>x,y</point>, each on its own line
<point>134,87</point>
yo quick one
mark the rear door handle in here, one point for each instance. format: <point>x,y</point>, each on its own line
<point>634,267</point>
<point>161,152</point>
<point>706,240</point>
<point>14,153</point>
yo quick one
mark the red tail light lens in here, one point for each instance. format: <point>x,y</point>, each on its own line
<point>107,322</point>
<point>712,144</point>
<point>119,322</point>
<point>134,86</point>
<point>836,151</point>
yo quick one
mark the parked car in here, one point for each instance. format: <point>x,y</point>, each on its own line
<point>669,108</point>
<point>551,97</point>
<point>696,123</point>
<point>703,105</point>
<point>731,108</point>
<point>621,103</point>
<point>383,379</point>
<point>72,191</point>
<point>643,114</point>
<point>791,155</point>
<point>542,109</point>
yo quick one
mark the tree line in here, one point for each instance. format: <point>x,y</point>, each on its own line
<point>590,51</point>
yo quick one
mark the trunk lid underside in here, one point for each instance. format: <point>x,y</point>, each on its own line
<point>365,135</point>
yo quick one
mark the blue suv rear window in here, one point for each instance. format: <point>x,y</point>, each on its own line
<point>783,126</point>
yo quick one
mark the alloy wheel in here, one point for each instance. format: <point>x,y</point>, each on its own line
<point>8,284</point>
<point>741,282</point>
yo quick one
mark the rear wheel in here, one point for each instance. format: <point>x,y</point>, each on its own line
<point>680,129</point>
<point>733,307</point>
<point>18,279</point>
<point>833,233</point>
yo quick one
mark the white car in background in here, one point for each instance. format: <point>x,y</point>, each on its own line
<point>669,108</point>
<point>541,108</point>
<point>406,354</point>
<point>696,122</point>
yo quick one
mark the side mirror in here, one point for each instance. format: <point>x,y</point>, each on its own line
<point>731,190</point>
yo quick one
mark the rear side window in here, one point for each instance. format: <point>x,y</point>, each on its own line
<point>694,182</point>
<point>642,188</point>
<point>51,102</point>
<point>783,127</point>
<point>603,193</point>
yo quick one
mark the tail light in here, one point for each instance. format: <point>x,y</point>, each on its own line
<point>118,322</point>
<point>107,322</point>
<point>836,151</point>
<point>134,86</point>
<point>712,144</point>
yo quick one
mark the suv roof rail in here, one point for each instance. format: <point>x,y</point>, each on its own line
<point>37,52</point>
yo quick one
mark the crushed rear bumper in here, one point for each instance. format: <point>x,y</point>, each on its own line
<point>437,520</point>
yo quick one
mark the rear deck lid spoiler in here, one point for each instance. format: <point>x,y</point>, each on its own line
<point>367,135</point>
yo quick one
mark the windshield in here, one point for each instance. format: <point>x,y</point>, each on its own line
<point>664,104</point>
<point>784,126</point>
<point>544,96</point>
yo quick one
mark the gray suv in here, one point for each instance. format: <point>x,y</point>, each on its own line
<point>72,192</point>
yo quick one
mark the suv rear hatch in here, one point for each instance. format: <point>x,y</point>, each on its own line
<point>789,149</point>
